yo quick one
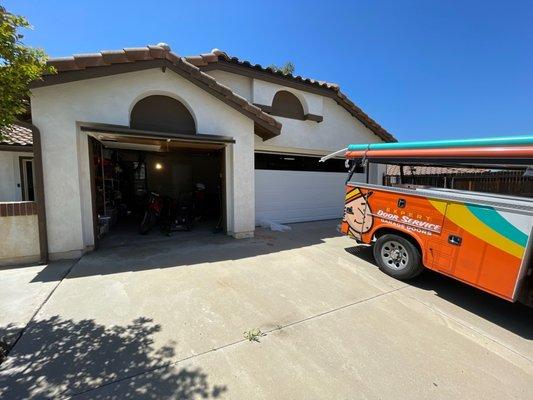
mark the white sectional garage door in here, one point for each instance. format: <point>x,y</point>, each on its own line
<point>297,196</point>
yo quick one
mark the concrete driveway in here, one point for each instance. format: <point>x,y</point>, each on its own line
<point>158,321</point>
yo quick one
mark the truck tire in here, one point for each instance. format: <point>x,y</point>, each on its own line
<point>397,257</point>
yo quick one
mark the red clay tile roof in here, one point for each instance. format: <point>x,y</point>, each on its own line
<point>216,55</point>
<point>432,170</point>
<point>16,135</point>
<point>192,66</point>
<point>269,126</point>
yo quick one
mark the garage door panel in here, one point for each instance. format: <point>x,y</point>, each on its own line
<point>297,196</point>
<point>301,216</point>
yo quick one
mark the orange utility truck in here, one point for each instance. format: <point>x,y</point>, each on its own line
<point>481,239</point>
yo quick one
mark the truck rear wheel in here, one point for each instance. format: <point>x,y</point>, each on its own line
<point>397,257</point>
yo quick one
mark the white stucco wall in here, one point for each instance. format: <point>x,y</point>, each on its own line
<point>10,185</point>
<point>56,111</point>
<point>20,239</point>
<point>338,129</point>
<point>241,85</point>
<point>264,92</point>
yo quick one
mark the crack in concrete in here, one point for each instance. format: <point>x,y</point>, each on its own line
<point>234,343</point>
<point>32,318</point>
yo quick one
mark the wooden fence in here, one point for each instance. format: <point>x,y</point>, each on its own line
<point>503,182</point>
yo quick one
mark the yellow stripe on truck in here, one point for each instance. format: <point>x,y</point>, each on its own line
<point>461,216</point>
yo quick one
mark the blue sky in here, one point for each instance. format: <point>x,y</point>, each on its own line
<point>422,69</point>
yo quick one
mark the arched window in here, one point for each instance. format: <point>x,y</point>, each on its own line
<point>162,113</point>
<point>285,104</point>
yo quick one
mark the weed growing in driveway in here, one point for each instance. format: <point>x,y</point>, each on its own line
<point>253,335</point>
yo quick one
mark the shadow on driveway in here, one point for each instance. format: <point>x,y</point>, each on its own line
<point>196,249</point>
<point>58,357</point>
<point>514,317</point>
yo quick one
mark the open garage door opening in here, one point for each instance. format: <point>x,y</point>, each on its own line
<point>155,189</point>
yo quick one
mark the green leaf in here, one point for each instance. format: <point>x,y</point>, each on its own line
<point>19,66</point>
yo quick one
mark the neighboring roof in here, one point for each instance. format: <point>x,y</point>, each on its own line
<point>83,66</point>
<point>432,170</point>
<point>218,58</point>
<point>16,135</point>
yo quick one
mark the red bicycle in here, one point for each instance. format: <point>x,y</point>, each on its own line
<point>152,213</point>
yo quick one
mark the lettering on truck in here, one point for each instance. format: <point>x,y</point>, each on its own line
<point>408,222</point>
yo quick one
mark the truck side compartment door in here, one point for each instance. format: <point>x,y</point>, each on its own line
<point>452,250</point>
<point>482,246</point>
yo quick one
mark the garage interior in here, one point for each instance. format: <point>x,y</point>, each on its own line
<point>150,189</point>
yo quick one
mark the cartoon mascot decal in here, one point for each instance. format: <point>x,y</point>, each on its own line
<point>357,212</point>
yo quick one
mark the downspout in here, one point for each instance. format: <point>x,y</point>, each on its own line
<point>39,190</point>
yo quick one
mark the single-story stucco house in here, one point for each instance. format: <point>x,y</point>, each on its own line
<point>22,218</point>
<point>16,163</point>
<point>114,124</point>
